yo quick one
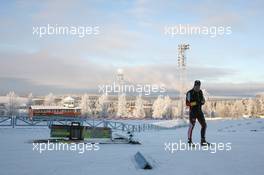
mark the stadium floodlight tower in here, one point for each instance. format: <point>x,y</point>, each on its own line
<point>182,74</point>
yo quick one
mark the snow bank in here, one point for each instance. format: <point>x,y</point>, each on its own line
<point>215,118</point>
<point>172,123</point>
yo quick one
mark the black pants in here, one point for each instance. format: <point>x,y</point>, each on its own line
<point>197,114</point>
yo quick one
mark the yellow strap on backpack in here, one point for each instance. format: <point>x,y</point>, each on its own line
<point>193,103</point>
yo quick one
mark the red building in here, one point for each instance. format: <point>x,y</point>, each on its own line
<point>37,110</point>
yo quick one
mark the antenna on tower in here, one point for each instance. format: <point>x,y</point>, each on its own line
<point>182,73</point>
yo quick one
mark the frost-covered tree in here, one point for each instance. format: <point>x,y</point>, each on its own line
<point>262,105</point>
<point>248,106</point>
<point>162,108</point>
<point>177,109</point>
<point>167,109</point>
<point>206,94</point>
<point>158,108</point>
<point>258,105</point>
<point>223,109</point>
<point>237,109</point>
<point>101,106</point>
<point>85,105</point>
<point>139,111</point>
<point>122,110</point>
<point>12,105</point>
<point>30,100</point>
<point>209,108</point>
<point>49,100</point>
<point>206,108</point>
<point>251,109</point>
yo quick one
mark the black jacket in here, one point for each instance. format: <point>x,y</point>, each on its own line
<point>194,99</point>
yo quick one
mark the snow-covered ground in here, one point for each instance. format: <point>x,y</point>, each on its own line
<point>245,157</point>
<point>172,123</point>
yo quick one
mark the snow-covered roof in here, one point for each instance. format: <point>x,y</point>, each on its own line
<point>51,107</point>
<point>68,99</point>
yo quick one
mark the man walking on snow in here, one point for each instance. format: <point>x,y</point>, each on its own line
<point>195,100</point>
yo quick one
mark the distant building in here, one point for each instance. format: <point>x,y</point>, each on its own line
<point>69,102</point>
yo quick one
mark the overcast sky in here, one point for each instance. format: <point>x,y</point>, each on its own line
<point>131,37</point>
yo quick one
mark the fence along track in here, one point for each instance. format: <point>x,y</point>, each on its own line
<point>23,121</point>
